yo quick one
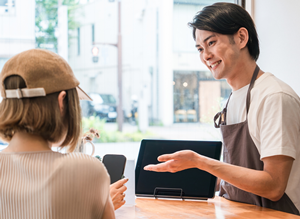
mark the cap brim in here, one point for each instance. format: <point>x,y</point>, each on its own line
<point>82,95</point>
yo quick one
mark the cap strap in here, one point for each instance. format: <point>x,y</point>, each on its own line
<point>25,92</point>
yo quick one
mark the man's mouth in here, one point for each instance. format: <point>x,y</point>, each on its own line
<point>215,64</point>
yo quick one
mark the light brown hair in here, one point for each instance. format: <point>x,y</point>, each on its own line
<point>41,116</point>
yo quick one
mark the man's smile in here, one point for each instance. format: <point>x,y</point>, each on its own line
<point>215,64</point>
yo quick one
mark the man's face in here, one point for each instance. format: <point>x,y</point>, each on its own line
<point>218,52</point>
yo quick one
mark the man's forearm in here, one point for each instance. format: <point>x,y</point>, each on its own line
<point>261,183</point>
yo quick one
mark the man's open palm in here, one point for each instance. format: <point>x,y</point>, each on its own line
<point>175,162</point>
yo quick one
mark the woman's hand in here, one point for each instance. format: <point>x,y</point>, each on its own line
<point>117,195</point>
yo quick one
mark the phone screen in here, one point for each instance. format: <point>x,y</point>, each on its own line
<point>115,165</point>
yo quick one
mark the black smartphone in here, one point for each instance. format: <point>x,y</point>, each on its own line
<point>115,165</point>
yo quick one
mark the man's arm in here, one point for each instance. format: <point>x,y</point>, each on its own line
<point>270,183</point>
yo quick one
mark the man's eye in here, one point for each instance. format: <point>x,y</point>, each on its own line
<point>211,43</point>
<point>200,49</point>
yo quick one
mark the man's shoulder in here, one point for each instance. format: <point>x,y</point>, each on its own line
<point>268,84</point>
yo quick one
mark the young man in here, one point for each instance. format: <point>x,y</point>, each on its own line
<point>260,124</point>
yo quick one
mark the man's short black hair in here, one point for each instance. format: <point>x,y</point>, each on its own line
<point>227,19</point>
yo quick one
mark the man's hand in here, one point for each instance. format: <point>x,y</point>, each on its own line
<point>117,195</point>
<point>175,162</point>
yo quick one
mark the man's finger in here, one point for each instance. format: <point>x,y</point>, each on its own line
<point>149,167</point>
<point>157,168</point>
<point>165,157</point>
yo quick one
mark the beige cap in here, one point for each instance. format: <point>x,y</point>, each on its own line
<point>44,72</point>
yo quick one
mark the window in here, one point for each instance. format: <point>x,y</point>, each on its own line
<point>163,82</point>
<point>7,7</point>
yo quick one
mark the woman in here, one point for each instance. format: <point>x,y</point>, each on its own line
<point>40,108</point>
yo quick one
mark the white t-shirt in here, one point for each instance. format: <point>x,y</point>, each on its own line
<point>274,123</point>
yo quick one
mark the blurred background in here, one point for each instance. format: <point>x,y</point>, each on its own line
<point>137,59</point>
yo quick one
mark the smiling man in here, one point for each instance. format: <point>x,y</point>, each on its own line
<point>260,123</point>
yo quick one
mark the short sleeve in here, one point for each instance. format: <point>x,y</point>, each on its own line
<point>278,123</point>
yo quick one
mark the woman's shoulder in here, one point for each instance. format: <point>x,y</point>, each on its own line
<point>80,176</point>
<point>81,163</point>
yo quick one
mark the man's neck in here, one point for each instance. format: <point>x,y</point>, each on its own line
<point>242,75</point>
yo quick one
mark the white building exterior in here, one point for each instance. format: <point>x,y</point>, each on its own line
<point>17,23</point>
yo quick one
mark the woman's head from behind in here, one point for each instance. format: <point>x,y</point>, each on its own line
<point>31,83</point>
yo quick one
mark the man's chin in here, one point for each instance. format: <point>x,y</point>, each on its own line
<point>217,76</point>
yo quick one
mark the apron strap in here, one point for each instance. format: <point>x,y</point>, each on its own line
<point>218,115</point>
<point>250,88</point>
<point>221,116</point>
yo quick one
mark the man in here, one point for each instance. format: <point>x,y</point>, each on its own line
<point>261,121</point>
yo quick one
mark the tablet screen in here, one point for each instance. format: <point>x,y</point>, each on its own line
<point>194,183</point>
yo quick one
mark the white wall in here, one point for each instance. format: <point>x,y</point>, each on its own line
<point>277,23</point>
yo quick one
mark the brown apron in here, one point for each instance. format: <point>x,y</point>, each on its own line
<point>239,149</point>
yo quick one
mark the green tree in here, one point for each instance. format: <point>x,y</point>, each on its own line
<point>46,22</point>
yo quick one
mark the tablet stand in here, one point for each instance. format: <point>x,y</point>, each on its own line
<point>168,192</point>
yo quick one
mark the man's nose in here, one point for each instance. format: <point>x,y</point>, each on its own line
<point>207,55</point>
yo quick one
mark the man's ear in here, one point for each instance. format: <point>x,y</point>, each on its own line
<point>242,37</point>
<point>61,98</point>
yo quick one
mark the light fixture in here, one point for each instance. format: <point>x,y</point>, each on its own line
<point>95,51</point>
<point>185,84</point>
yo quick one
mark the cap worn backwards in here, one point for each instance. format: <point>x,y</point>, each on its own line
<point>43,71</point>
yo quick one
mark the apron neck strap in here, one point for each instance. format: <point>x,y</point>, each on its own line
<point>254,76</point>
<point>220,118</point>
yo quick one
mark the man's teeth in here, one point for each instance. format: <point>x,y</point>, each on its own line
<point>213,65</point>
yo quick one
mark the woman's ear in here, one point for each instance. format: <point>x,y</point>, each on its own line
<point>61,98</point>
<point>242,37</point>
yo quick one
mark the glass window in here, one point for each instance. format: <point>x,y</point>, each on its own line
<point>198,96</point>
<point>164,87</point>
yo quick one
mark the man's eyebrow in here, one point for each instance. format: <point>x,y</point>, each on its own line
<point>207,38</point>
